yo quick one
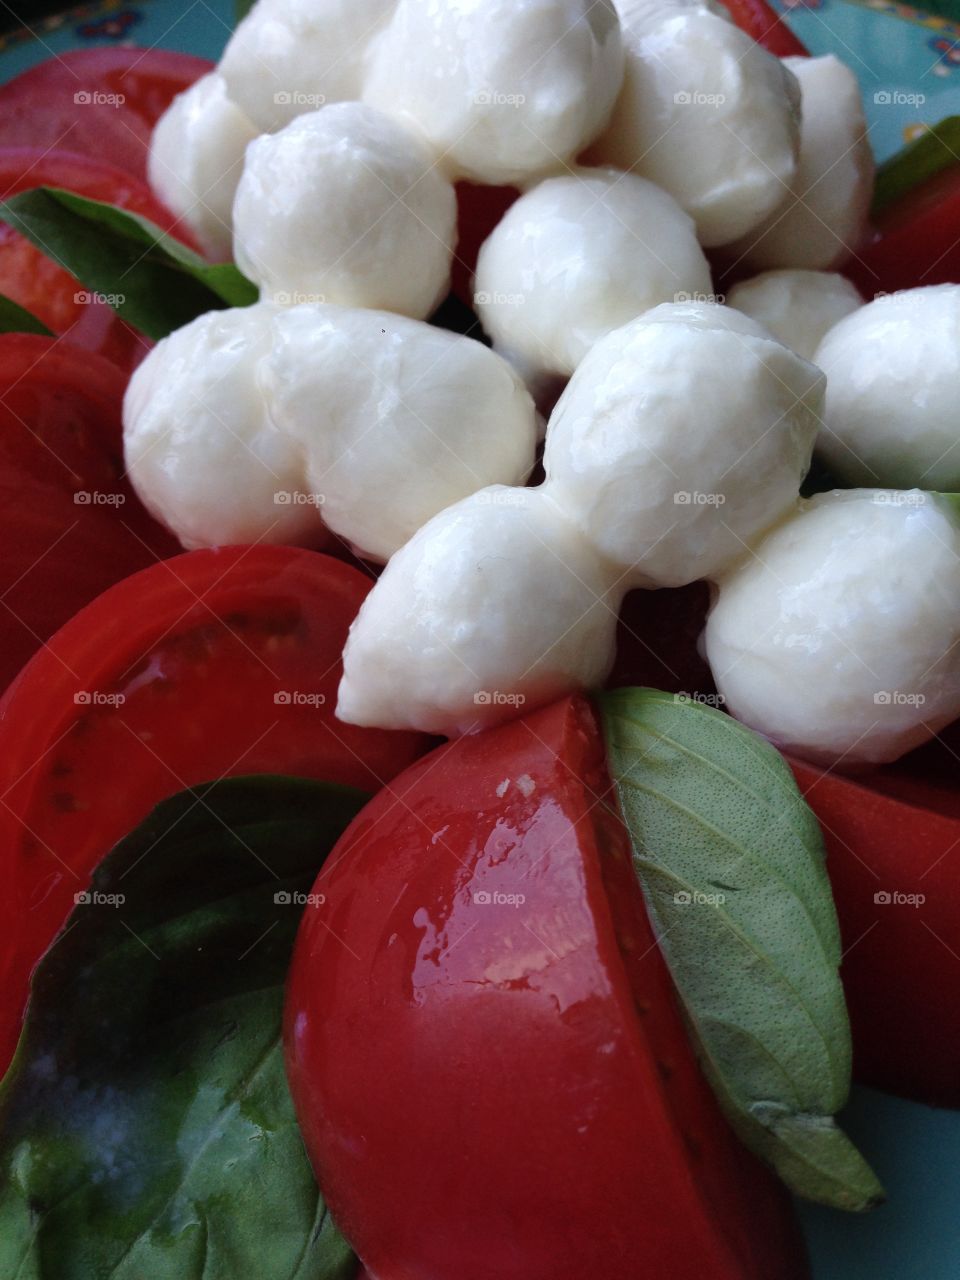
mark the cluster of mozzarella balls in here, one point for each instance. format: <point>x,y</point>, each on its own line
<point>322,155</point>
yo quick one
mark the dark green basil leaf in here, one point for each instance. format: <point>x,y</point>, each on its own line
<point>936,149</point>
<point>17,319</point>
<point>146,1127</point>
<point>731,862</point>
<point>148,277</point>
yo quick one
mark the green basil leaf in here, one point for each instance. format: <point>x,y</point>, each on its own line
<point>936,149</point>
<point>148,277</point>
<point>731,861</point>
<point>146,1127</point>
<point>17,319</point>
<point>953,502</point>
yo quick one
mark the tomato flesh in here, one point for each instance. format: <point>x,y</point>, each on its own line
<point>894,868</point>
<point>214,663</point>
<point>71,524</point>
<point>488,1066</point>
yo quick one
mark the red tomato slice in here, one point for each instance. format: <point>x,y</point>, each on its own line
<point>767,27</point>
<point>895,871</point>
<point>916,241</point>
<point>34,280</point>
<point>101,102</point>
<point>478,1018</point>
<point>214,663</point>
<point>70,524</point>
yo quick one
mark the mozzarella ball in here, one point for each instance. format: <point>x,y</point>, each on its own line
<point>839,638</point>
<point>291,56</point>
<point>707,114</point>
<point>200,448</point>
<point>345,206</point>
<point>798,307</point>
<point>822,220</point>
<point>578,256</point>
<point>496,606</point>
<point>395,419</point>
<point>196,159</point>
<point>504,89</point>
<point>893,390</point>
<point>680,438</point>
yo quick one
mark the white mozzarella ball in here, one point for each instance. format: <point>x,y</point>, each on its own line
<point>576,257</point>
<point>200,448</point>
<point>291,56</point>
<point>345,206</point>
<point>680,438</point>
<point>707,114</point>
<point>504,89</point>
<point>822,220</point>
<point>798,307</point>
<point>893,391</point>
<point>497,604</point>
<point>396,419</point>
<point>196,159</point>
<point>839,638</point>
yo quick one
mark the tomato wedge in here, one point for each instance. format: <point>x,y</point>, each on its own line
<point>767,27</point>
<point>100,102</point>
<point>483,1044</point>
<point>70,524</point>
<point>916,241</point>
<point>214,663</point>
<point>35,280</point>
<point>895,870</point>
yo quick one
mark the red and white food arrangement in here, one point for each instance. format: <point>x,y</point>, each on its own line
<point>566,994</point>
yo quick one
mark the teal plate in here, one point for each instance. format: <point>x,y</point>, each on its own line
<point>908,64</point>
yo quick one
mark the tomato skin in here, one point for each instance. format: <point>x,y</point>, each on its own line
<point>915,242</point>
<point>100,102</point>
<point>215,663</point>
<point>60,441</point>
<point>489,1089</point>
<point>36,281</point>
<point>658,640</point>
<point>767,27</point>
<point>479,210</point>
<point>901,966</point>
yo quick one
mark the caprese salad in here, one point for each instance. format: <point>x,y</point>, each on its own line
<point>481,640</point>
